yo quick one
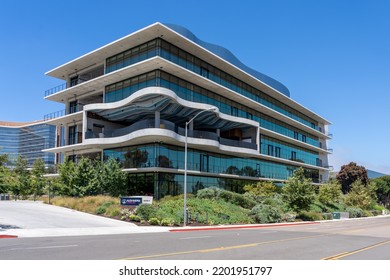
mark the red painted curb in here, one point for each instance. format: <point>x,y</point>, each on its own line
<point>241,227</point>
<point>8,236</point>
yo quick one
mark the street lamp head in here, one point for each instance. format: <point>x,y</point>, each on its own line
<point>213,108</point>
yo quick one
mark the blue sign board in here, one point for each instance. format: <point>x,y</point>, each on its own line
<point>131,201</point>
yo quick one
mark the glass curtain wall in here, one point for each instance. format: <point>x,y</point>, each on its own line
<point>28,141</point>
<point>178,56</point>
<point>172,157</point>
<point>191,92</point>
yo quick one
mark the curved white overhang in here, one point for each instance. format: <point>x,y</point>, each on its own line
<point>150,135</point>
<point>160,93</point>
<point>160,30</point>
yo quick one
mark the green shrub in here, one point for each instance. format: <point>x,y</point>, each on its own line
<point>262,189</point>
<point>209,193</point>
<point>275,200</point>
<point>376,212</point>
<point>337,207</point>
<point>309,216</point>
<point>317,207</point>
<point>237,199</point>
<point>378,208</point>
<point>102,208</point>
<point>368,213</point>
<point>355,212</point>
<point>167,222</point>
<point>204,211</point>
<point>154,221</point>
<point>126,213</point>
<point>113,211</point>
<point>264,213</point>
<point>288,217</point>
<point>146,211</point>
<point>134,218</point>
<point>257,199</point>
<point>327,216</point>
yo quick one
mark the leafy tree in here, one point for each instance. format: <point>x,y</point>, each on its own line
<point>361,196</point>
<point>53,186</point>
<point>383,190</point>
<point>37,181</point>
<point>5,179</point>
<point>4,174</point>
<point>330,193</point>
<point>67,177</point>
<point>3,159</point>
<point>299,191</point>
<point>85,178</point>
<point>113,179</point>
<point>263,188</point>
<point>349,174</point>
<point>21,185</point>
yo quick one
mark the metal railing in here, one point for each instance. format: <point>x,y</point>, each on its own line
<point>55,89</point>
<point>81,79</point>
<point>236,143</point>
<point>329,167</point>
<point>54,115</point>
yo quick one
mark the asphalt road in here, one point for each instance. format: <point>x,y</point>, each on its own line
<point>355,239</point>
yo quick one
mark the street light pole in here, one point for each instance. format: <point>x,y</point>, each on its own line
<point>185,161</point>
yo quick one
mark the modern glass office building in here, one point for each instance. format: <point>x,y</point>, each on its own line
<point>27,140</point>
<point>130,100</point>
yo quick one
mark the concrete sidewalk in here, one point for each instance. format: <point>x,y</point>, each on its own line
<point>36,219</point>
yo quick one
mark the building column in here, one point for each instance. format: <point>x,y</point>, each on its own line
<point>258,138</point>
<point>84,125</point>
<point>66,134</point>
<point>157,119</point>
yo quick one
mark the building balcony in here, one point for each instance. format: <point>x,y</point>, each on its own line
<point>55,89</point>
<point>150,123</point>
<point>76,80</point>
<point>54,115</point>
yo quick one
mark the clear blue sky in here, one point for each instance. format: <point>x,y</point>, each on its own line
<point>334,56</point>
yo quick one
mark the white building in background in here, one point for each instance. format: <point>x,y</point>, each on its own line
<point>131,98</point>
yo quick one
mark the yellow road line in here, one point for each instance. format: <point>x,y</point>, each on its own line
<point>264,243</point>
<point>346,254</point>
<point>334,257</point>
<point>225,248</point>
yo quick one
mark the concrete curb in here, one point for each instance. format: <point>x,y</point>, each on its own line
<point>230,227</point>
<point>7,236</point>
